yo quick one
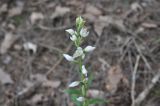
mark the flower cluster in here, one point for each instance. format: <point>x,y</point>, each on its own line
<point>77,36</point>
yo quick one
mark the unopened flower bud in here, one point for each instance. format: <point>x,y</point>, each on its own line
<point>79,22</point>
<point>89,49</point>
<point>74,84</point>
<point>84,71</point>
<point>70,31</point>
<point>68,57</point>
<point>80,99</point>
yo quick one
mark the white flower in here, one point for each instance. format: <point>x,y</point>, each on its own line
<point>89,48</point>
<point>78,52</point>
<point>84,71</point>
<point>74,84</point>
<point>68,57</point>
<point>84,32</point>
<point>70,31</point>
<point>73,37</point>
<point>80,99</point>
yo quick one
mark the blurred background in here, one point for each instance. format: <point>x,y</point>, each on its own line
<point>126,34</point>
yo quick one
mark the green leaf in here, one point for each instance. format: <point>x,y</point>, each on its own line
<point>73,91</point>
<point>97,101</point>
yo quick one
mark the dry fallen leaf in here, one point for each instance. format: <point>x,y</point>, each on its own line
<point>90,9</point>
<point>51,5</point>
<point>16,10</point>
<point>3,8</point>
<point>153,101</point>
<point>114,77</point>
<point>60,11</point>
<point>103,21</point>
<point>92,13</point>
<point>116,22</point>
<point>51,84</point>
<point>5,77</point>
<point>136,6</point>
<point>7,42</point>
<point>45,82</point>
<point>38,77</point>
<point>36,16</point>
<point>94,93</point>
<point>99,26</point>
<point>90,17</point>
<point>36,98</point>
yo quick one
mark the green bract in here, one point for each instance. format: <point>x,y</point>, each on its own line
<point>79,23</point>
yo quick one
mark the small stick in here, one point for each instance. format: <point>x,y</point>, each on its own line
<point>134,81</point>
<point>146,91</point>
<point>54,29</point>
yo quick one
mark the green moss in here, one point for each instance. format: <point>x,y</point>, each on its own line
<point>18,20</point>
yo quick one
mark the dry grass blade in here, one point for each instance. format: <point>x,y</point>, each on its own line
<point>134,81</point>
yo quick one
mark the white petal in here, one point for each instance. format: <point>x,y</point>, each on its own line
<point>84,32</point>
<point>74,84</point>
<point>78,52</point>
<point>80,99</point>
<point>70,31</point>
<point>89,48</point>
<point>83,56</point>
<point>68,57</point>
<point>84,71</point>
<point>73,38</point>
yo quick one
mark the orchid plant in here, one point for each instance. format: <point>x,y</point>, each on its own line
<point>78,89</point>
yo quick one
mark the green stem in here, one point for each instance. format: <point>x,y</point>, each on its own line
<point>84,86</point>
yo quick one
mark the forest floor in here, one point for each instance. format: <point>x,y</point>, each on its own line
<point>126,34</point>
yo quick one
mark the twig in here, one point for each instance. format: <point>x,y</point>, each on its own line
<point>134,81</point>
<point>143,57</point>
<point>104,63</point>
<point>127,43</point>
<point>55,29</point>
<point>59,61</point>
<point>27,92</point>
<point>50,47</point>
<point>146,91</point>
